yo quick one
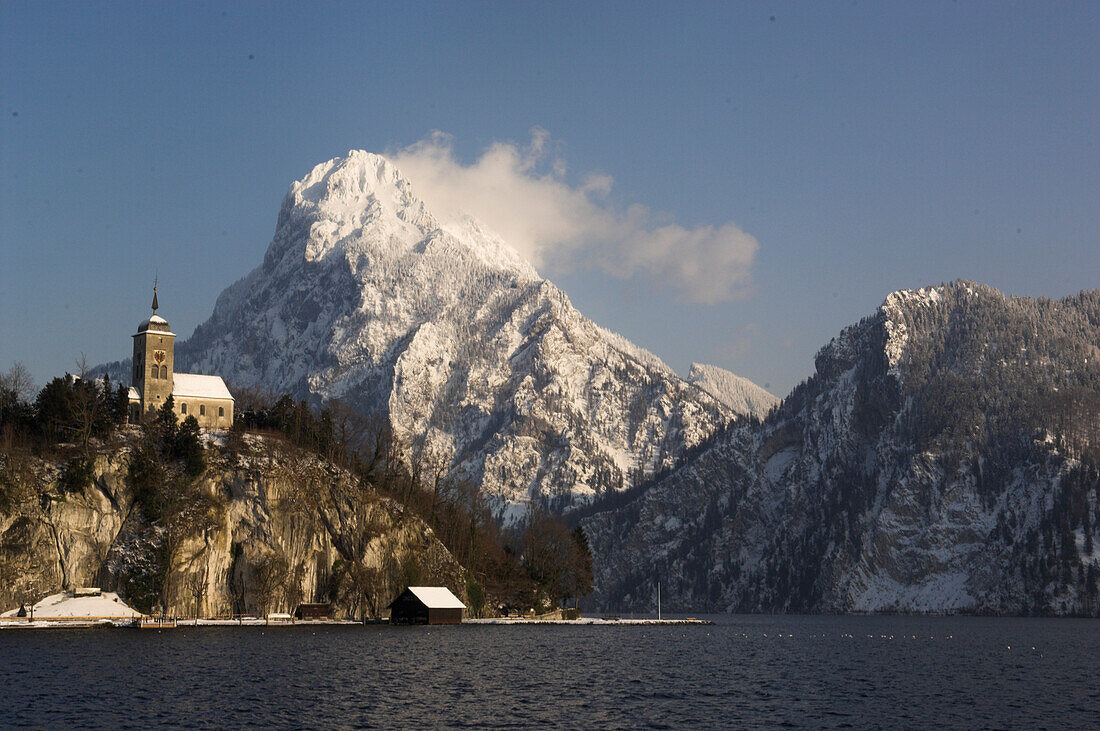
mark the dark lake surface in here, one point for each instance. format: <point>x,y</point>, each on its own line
<point>745,672</point>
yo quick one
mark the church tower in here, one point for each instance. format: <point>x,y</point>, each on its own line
<point>154,355</point>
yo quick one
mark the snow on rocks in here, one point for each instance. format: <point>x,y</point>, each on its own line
<point>443,330</point>
<point>736,392</point>
<point>837,503</point>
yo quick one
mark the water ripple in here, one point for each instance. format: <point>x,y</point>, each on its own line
<point>747,672</point>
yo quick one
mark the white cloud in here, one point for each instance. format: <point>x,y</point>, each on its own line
<point>522,194</point>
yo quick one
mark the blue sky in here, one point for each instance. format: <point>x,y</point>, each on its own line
<point>866,147</point>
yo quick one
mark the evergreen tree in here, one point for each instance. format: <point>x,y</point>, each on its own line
<point>53,409</point>
<point>582,574</point>
<point>188,447</point>
<point>121,409</point>
<point>166,423</point>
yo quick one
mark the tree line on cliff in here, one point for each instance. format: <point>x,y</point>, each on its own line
<point>539,563</point>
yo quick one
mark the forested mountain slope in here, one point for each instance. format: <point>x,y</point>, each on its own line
<point>736,392</point>
<point>943,457</point>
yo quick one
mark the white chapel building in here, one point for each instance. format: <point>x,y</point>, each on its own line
<point>205,397</point>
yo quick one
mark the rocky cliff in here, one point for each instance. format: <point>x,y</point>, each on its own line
<point>943,458</point>
<point>270,526</point>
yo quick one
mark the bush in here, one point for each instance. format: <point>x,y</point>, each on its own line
<point>77,475</point>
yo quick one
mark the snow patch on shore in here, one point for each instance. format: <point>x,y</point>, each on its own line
<point>107,604</point>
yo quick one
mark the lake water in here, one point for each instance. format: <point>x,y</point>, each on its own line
<point>745,672</point>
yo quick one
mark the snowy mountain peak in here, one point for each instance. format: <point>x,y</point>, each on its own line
<point>937,294</point>
<point>737,392</point>
<point>362,205</point>
<point>432,324</point>
<point>900,308</point>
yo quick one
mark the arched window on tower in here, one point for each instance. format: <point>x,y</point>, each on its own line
<point>164,371</point>
<point>183,408</point>
<point>155,372</point>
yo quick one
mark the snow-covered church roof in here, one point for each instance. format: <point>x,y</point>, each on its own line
<point>193,385</point>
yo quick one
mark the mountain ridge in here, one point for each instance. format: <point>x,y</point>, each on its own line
<point>736,392</point>
<point>942,458</point>
<point>480,366</point>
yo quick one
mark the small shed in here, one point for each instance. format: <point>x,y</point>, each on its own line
<point>426,605</point>
<point>313,611</point>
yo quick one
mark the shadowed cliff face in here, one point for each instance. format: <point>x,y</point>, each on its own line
<point>943,458</point>
<point>278,527</point>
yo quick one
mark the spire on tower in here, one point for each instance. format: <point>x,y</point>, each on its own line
<point>155,305</point>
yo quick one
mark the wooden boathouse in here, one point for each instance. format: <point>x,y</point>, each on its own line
<point>313,611</point>
<point>426,605</point>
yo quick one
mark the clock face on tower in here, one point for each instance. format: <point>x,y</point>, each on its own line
<point>158,356</point>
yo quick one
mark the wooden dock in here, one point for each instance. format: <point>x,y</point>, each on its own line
<point>155,623</point>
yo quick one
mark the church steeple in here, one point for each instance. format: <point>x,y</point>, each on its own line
<point>154,356</point>
<point>154,378</point>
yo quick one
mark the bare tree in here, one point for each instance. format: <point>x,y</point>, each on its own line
<point>292,590</point>
<point>251,398</point>
<point>184,510</point>
<point>197,587</point>
<point>269,575</point>
<point>88,408</point>
<point>18,380</point>
<point>558,560</point>
<point>359,586</point>
<point>16,475</point>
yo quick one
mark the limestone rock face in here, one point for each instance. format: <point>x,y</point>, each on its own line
<point>286,528</point>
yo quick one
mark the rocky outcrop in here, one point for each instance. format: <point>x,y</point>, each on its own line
<point>278,527</point>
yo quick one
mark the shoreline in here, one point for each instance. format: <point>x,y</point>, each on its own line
<point>595,621</point>
<point>128,622</point>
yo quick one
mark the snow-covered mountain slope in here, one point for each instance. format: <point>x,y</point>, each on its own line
<point>479,365</point>
<point>736,392</point>
<point>945,457</point>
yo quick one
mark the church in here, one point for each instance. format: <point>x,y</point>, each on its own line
<point>154,379</point>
